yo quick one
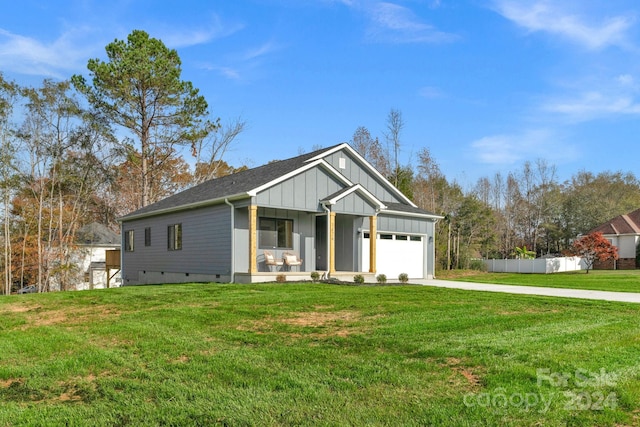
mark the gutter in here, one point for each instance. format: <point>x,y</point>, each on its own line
<point>179,208</point>
<point>233,238</point>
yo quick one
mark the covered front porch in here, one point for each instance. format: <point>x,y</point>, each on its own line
<point>295,276</point>
<point>328,243</point>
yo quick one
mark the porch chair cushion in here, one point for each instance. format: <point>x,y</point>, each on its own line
<point>269,259</point>
<point>292,259</point>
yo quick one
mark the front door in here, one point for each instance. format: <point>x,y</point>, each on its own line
<point>321,243</point>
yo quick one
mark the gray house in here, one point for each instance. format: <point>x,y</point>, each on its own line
<point>330,211</point>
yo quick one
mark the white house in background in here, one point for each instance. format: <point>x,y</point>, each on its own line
<point>624,233</point>
<point>94,240</point>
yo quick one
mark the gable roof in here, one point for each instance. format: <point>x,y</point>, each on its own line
<point>249,182</point>
<point>622,224</point>
<point>356,188</point>
<point>237,184</point>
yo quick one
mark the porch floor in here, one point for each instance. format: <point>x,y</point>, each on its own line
<point>302,276</point>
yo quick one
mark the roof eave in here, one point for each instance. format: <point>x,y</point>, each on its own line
<point>357,188</point>
<point>412,214</point>
<point>199,204</point>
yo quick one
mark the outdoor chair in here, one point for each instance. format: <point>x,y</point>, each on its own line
<point>291,259</point>
<point>270,260</point>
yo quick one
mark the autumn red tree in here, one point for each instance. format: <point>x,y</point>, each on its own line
<point>594,247</point>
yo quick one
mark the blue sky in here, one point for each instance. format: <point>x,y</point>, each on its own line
<point>485,85</point>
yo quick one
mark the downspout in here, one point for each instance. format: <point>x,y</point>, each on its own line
<point>233,239</point>
<point>432,253</point>
<point>328,254</point>
<point>122,276</point>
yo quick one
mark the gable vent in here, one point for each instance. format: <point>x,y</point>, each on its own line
<point>342,163</point>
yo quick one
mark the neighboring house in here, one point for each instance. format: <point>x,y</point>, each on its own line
<point>331,208</point>
<point>624,233</point>
<point>94,240</point>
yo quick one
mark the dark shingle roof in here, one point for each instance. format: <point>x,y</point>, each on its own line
<point>401,207</point>
<point>229,185</point>
<point>623,224</point>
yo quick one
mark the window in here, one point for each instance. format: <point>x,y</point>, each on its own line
<point>276,233</point>
<point>386,236</point>
<point>174,237</point>
<point>147,236</point>
<point>128,241</point>
<point>416,238</point>
<point>402,237</point>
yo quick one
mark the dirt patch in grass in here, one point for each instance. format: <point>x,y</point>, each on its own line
<point>69,316</point>
<point>8,382</point>
<point>529,310</point>
<point>19,308</point>
<point>472,379</point>
<point>317,324</point>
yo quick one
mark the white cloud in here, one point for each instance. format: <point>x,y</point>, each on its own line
<point>430,92</point>
<point>176,38</point>
<point>547,16</point>
<point>260,51</point>
<point>239,65</point>
<point>626,79</point>
<point>392,23</point>
<point>596,98</point>
<point>509,149</point>
<point>592,105</point>
<point>27,55</point>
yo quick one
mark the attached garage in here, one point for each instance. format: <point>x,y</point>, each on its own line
<point>395,254</point>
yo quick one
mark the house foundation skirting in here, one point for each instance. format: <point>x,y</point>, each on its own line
<point>164,277</point>
<point>146,277</point>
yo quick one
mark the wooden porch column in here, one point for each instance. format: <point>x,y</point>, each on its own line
<point>373,234</point>
<point>253,239</point>
<point>332,242</point>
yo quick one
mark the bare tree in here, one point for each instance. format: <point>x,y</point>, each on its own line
<point>8,98</point>
<point>210,150</point>
<point>395,124</point>
<point>371,150</point>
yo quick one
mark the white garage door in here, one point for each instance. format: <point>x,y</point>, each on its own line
<point>396,253</point>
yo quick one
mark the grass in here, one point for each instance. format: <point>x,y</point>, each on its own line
<point>315,354</point>
<point>602,280</point>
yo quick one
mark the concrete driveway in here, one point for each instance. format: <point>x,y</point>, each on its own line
<point>534,290</point>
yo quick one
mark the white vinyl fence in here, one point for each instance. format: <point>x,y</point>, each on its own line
<point>538,265</point>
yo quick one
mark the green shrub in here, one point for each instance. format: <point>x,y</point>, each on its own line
<point>315,276</point>
<point>358,278</point>
<point>381,278</point>
<point>403,277</point>
<point>478,265</point>
<point>281,278</point>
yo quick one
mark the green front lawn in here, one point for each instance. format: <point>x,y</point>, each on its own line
<point>602,280</point>
<point>287,354</point>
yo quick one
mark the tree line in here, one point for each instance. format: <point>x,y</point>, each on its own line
<point>92,149</point>
<point>525,208</point>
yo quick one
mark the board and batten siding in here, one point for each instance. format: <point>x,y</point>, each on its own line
<point>403,224</point>
<point>206,244</point>
<point>354,204</point>
<point>358,174</point>
<point>301,192</point>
